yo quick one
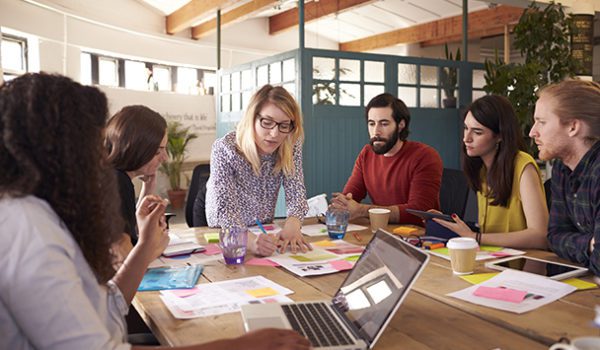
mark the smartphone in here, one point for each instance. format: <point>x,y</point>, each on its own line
<point>550,269</point>
<point>429,215</point>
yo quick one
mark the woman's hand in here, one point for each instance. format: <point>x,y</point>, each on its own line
<point>458,226</point>
<point>291,236</point>
<point>152,226</point>
<point>261,244</point>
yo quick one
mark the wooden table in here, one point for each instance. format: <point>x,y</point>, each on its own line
<point>427,319</point>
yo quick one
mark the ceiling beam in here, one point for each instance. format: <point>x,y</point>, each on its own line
<point>312,10</point>
<point>238,14</point>
<point>192,12</point>
<point>481,23</point>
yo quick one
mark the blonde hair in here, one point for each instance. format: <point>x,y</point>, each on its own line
<point>245,136</point>
<point>576,99</point>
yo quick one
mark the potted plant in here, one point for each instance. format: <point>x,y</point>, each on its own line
<point>178,139</point>
<point>449,78</point>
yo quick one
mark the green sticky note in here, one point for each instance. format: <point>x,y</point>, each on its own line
<point>478,277</point>
<point>352,258</point>
<point>490,248</point>
<point>580,284</point>
<point>443,251</point>
<point>212,237</point>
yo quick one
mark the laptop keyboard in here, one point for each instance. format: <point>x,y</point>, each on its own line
<point>317,323</point>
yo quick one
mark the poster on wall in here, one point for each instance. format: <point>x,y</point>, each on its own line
<point>193,111</point>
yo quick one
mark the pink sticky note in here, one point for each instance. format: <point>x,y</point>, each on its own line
<point>212,249</point>
<point>499,293</point>
<point>269,227</point>
<point>261,262</point>
<point>500,254</point>
<point>341,265</point>
<point>183,293</point>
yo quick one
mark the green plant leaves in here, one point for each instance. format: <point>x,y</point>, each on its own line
<point>178,139</point>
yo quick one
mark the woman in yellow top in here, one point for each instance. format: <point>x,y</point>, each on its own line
<point>510,193</point>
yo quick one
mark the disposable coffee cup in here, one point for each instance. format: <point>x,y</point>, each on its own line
<point>582,343</point>
<point>379,218</point>
<point>462,254</point>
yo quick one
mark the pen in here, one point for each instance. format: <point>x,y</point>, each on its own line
<point>262,228</point>
<point>357,236</point>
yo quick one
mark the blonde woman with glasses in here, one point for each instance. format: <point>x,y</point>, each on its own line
<point>249,165</point>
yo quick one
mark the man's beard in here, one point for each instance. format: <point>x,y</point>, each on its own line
<point>387,146</point>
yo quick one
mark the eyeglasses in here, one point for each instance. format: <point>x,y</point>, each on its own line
<point>284,127</point>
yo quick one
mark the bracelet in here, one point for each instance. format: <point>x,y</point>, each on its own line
<point>478,237</point>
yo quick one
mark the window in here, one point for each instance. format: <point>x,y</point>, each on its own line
<point>136,75</point>
<point>145,76</point>
<point>108,73</point>
<point>14,56</point>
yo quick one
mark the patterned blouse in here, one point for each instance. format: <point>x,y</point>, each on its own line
<point>236,196</point>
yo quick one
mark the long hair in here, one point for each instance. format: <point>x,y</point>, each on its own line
<point>51,148</point>
<point>133,136</point>
<point>399,111</point>
<point>495,113</point>
<point>246,139</point>
<point>577,99</point>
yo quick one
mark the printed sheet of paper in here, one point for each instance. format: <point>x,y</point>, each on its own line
<point>321,229</point>
<point>540,291</point>
<point>208,299</point>
<point>485,252</point>
<point>270,228</point>
<point>322,259</point>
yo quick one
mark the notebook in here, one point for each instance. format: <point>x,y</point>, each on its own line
<point>362,307</point>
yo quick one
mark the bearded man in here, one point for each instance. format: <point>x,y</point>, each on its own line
<point>395,173</point>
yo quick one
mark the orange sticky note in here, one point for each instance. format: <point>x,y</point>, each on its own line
<point>324,243</point>
<point>405,230</point>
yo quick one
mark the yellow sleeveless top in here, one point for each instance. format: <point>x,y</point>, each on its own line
<point>500,219</point>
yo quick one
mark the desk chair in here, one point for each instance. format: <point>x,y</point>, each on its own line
<point>194,212</point>
<point>454,192</point>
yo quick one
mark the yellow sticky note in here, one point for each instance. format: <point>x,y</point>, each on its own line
<point>324,243</point>
<point>580,284</point>
<point>478,277</point>
<point>211,237</point>
<point>262,292</point>
<point>490,248</point>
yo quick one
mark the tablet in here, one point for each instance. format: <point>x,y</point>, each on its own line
<point>550,269</point>
<point>429,215</point>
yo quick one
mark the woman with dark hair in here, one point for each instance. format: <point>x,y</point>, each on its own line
<point>58,287</point>
<point>136,140</point>
<point>510,193</point>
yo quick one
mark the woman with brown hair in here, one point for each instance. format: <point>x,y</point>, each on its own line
<point>58,288</point>
<point>136,140</point>
<point>510,194</point>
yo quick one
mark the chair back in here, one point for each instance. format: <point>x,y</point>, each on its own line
<point>548,190</point>
<point>454,192</point>
<point>198,184</point>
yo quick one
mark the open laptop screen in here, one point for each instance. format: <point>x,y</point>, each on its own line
<point>373,289</point>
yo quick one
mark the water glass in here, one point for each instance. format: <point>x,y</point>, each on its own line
<point>337,222</point>
<point>233,243</point>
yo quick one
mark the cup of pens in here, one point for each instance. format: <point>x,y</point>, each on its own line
<point>336,220</point>
<point>233,242</point>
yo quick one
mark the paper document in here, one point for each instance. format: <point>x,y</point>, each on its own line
<point>515,291</point>
<point>270,228</point>
<point>208,299</point>
<point>321,229</point>
<point>326,257</point>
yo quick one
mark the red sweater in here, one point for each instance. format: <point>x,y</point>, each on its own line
<point>409,179</point>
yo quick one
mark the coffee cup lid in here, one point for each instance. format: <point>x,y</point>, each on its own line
<point>379,211</point>
<point>462,243</point>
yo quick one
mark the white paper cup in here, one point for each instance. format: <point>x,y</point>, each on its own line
<point>462,254</point>
<point>379,218</point>
<point>582,343</point>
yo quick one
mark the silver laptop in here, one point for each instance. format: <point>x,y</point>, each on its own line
<point>363,306</point>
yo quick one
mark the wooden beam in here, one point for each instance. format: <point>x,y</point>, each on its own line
<point>192,12</point>
<point>238,14</point>
<point>486,22</point>
<point>312,10</point>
